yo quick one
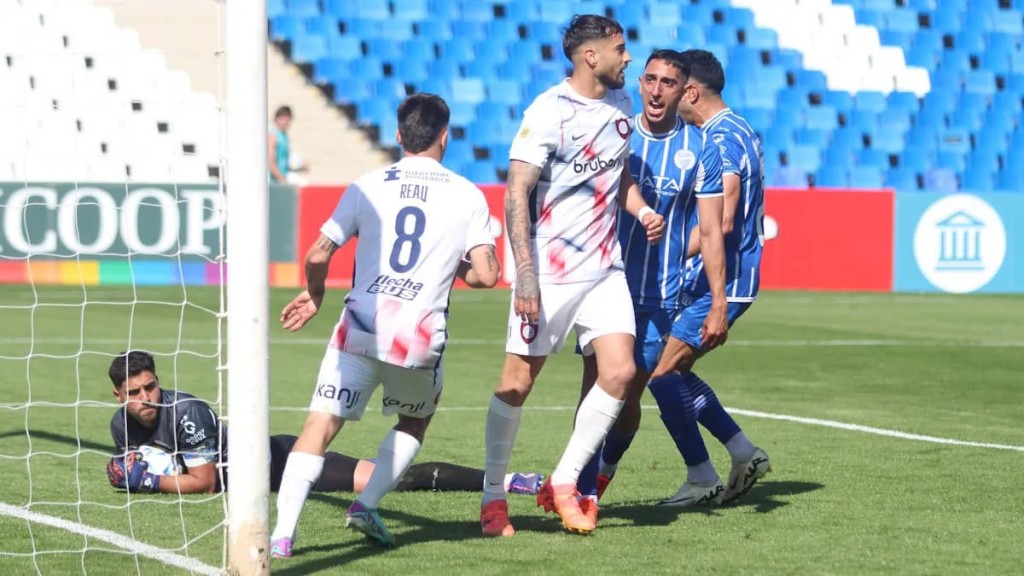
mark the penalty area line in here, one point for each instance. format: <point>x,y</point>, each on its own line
<point>765,415</point>
<point>132,546</point>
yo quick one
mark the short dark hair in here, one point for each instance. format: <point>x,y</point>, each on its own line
<point>705,68</point>
<point>587,27</point>
<point>421,119</point>
<point>130,363</point>
<point>283,111</point>
<point>672,57</point>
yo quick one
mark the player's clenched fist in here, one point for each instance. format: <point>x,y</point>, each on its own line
<point>128,472</point>
<point>654,223</point>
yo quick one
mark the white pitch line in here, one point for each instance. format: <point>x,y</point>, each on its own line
<point>841,342</point>
<point>118,540</point>
<point>756,414</point>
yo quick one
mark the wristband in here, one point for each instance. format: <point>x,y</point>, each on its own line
<point>644,212</point>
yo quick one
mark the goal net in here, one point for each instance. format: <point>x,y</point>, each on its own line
<point>112,237</point>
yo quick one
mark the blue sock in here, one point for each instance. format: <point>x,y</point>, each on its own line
<point>709,410</point>
<point>587,482</point>
<point>615,445</point>
<point>677,412</point>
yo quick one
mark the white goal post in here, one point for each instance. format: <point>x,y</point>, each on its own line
<point>247,287</point>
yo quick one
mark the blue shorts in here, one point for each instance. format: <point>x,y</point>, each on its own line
<point>690,323</point>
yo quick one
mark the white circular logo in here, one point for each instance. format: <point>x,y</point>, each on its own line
<point>685,159</point>
<point>959,243</point>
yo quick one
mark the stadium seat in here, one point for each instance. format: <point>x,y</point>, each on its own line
<point>868,177</point>
<point>829,177</point>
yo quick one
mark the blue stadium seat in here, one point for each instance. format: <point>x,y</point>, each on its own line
<point>387,129</point>
<point>952,160</point>
<point>461,113</point>
<point>869,100</point>
<point>412,70</point>
<point>759,119</point>
<point>904,40</point>
<point>868,177</point>
<point>443,69</point>
<point>902,21</point>
<point>874,158</point>
<point>499,154</point>
<point>470,30</point>
<point>482,69</point>
<point>862,121</point>
<point>887,139</point>
<point>458,49</point>
<point>276,8</point>
<point>978,180</point>
<point>665,13</point>
<point>434,30</point>
<point>476,11</point>
<point>901,179</point>
<point>459,152</point>
<point>980,82</point>
<point>390,89</point>
<point>481,172</point>
<point>556,11</point>
<point>434,85</point>
<point>516,69</point>
<point>830,177</point>
<point>502,31</point>
<point>894,119</point>
<point>307,48</point>
<point>410,10</point>
<point>341,9</point>
<point>322,25</point>
<point>331,70</point>
<point>762,38</point>
<point>385,49</point>
<point>813,137</point>
<point>303,8</point>
<point>468,90</point>
<point>841,101</point>
<point>1012,180</point>
<point>631,15</point>
<point>690,35</point>
<point>915,157</point>
<point>822,117</point>
<point>373,10</point>
<point>351,90</point>
<point>941,180</point>
<point>903,101</point>
<point>444,9</point>
<point>504,92</point>
<point>805,158</point>
<point>374,110</point>
<point>369,68</point>
<point>286,27</point>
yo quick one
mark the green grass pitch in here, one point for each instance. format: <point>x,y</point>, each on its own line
<point>838,502</point>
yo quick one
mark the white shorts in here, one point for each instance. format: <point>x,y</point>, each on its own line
<point>593,308</point>
<point>347,381</point>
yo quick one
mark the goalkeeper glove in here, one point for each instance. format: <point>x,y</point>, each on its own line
<point>128,472</point>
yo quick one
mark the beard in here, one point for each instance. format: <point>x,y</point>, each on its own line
<point>615,80</point>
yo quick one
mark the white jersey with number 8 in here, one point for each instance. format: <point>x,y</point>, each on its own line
<point>415,221</point>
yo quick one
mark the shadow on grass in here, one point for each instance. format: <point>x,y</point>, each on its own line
<point>764,498</point>
<point>60,438</point>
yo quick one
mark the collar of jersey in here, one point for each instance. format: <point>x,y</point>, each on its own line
<point>638,125</point>
<point>717,118</point>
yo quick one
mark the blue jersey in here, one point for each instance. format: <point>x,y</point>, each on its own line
<point>672,170</point>
<point>740,148</point>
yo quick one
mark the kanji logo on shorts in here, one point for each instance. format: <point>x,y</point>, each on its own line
<point>528,332</point>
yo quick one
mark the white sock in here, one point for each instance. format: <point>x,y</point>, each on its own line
<point>595,416</point>
<point>394,456</point>
<point>606,469</point>
<point>500,435</point>
<point>740,447</point>
<point>301,471</point>
<point>703,473</point>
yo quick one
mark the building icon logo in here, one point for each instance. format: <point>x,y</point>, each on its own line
<point>960,243</point>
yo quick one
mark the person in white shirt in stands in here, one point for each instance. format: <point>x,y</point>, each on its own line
<point>417,224</point>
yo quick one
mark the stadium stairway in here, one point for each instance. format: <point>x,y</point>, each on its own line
<point>336,150</point>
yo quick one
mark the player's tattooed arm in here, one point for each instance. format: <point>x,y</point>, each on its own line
<point>302,309</point>
<point>317,261</point>
<point>482,269</point>
<point>522,178</point>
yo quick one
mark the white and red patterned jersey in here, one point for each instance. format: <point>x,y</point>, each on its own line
<point>415,221</point>
<point>582,146</point>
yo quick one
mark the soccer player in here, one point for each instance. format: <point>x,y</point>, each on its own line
<point>743,225</point>
<point>185,428</point>
<point>416,222</point>
<point>679,172</point>
<point>561,206</point>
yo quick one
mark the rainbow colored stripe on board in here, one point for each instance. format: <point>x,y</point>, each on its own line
<point>136,272</point>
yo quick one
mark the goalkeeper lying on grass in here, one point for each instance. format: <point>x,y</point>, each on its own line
<point>167,441</point>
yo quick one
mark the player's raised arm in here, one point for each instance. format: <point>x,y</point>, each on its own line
<point>632,200</point>
<point>522,178</point>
